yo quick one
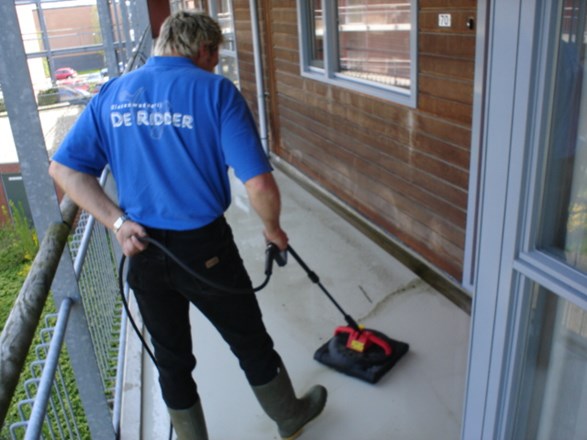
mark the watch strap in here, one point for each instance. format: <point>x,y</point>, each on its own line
<point>119,222</point>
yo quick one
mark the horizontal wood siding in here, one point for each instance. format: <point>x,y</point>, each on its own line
<point>404,169</point>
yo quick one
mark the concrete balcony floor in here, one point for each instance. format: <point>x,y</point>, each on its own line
<point>421,398</point>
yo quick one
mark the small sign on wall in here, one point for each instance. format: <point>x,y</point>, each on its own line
<point>444,20</point>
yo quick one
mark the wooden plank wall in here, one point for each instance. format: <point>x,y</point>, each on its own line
<point>404,169</point>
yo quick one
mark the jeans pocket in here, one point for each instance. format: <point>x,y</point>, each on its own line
<point>146,271</point>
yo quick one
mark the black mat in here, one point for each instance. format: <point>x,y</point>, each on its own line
<point>369,365</point>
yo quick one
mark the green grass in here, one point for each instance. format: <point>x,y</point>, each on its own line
<point>18,245</point>
<point>15,262</point>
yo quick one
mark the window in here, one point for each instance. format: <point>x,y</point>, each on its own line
<point>365,45</point>
<point>563,228</point>
<point>316,43</point>
<point>553,397</point>
<point>221,10</point>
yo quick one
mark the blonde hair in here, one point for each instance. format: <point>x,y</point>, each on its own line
<point>183,32</point>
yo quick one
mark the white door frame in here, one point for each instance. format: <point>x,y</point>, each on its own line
<point>519,42</point>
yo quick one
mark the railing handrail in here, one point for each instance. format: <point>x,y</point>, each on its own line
<point>21,325</point>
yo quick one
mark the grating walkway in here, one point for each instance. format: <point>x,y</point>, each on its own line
<point>421,398</point>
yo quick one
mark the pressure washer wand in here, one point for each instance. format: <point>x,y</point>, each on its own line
<point>312,275</point>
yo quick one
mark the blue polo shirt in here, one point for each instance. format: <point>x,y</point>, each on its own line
<point>169,131</point>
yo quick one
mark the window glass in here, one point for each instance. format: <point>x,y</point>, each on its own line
<point>368,46</point>
<point>228,62</point>
<point>374,40</point>
<point>317,34</point>
<point>228,68</point>
<point>563,227</point>
<point>553,400</point>
<point>225,20</point>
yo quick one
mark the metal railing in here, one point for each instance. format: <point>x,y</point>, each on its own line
<point>96,268</point>
<point>55,409</point>
<point>51,407</point>
<point>32,351</point>
<point>19,329</point>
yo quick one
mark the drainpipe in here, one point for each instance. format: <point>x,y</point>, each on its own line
<point>259,76</point>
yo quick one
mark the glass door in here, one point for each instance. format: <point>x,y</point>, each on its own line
<point>528,354</point>
<point>563,225</point>
<point>552,400</point>
<point>552,395</point>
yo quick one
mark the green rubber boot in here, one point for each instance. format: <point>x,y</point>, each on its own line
<point>278,400</point>
<point>189,424</point>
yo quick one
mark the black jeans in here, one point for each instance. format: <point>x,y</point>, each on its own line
<point>164,292</point>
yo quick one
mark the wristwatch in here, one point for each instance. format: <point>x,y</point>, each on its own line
<point>118,223</point>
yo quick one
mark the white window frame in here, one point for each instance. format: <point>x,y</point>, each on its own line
<point>509,264</point>
<point>329,75</point>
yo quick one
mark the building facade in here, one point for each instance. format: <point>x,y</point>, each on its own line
<point>453,132</point>
<point>377,110</point>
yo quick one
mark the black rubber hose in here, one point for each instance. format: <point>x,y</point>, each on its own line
<point>127,308</point>
<point>204,280</point>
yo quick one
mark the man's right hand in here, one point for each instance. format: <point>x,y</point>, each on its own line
<point>127,238</point>
<point>277,237</point>
<point>85,190</point>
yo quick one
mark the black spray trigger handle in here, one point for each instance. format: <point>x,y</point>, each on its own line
<point>272,253</point>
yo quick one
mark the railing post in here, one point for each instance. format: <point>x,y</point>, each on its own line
<point>25,122</point>
<point>81,353</point>
<point>37,418</point>
<point>106,27</point>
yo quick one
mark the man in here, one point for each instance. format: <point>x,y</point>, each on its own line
<point>169,131</point>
